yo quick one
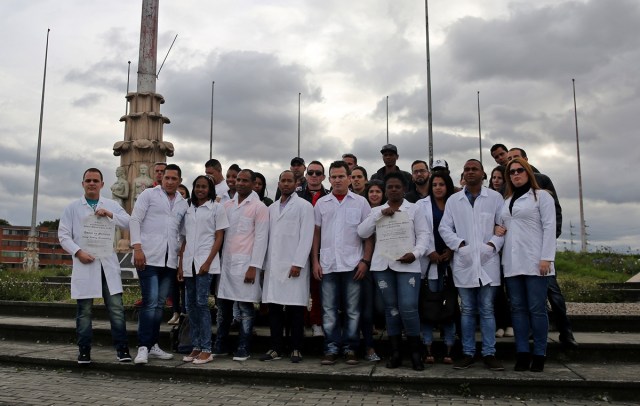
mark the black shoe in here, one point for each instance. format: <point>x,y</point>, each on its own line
<point>523,361</point>
<point>84,355</point>
<point>569,342</point>
<point>537,364</point>
<point>492,363</point>
<point>464,363</point>
<point>123,355</point>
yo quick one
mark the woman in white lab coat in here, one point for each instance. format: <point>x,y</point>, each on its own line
<point>529,226</point>
<point>204,225</point>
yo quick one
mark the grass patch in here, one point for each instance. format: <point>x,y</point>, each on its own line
<point>20,285</point>
<point>579,274</point>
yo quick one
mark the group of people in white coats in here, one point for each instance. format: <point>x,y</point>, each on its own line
<point>229,244</point>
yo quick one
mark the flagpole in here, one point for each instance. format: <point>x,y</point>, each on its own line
<point>31,259</point>
<point>583,229</point>
<point>387,119</point>
<point>213,84</point>
<point>479,128</point>
<point>429,112</point>
<point>299,124</point>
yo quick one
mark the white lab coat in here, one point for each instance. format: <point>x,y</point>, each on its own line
<point>86,279</point>
<point>530,235</point>
<point>245,245</point>
<point>341,248</point>
<point>427,210</point>
<point>200,226</point>
<point>419,241</point>
<point>476,264</point>
<point>290,239</point>
<point>156,226</point>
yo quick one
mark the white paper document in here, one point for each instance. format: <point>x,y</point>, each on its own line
<point>97,236</point>
<point>394,236</point>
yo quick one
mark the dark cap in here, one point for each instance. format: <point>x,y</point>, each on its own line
<point>297,161</point>
<point>389,147</point>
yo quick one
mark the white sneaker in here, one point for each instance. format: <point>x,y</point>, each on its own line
<point>508,332</point>
<point>317,330</point>
<point>499,333</point>
<point>175,319</point>
<point>143,356</point>
<point>156,352</point>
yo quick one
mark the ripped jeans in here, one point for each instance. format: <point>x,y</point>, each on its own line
<point>400,292</point>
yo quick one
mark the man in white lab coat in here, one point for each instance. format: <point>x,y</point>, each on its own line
<point>155,225</point>
<point>286,278</point>
<point>95,273</point>
<point>245,246</point>
<point>467,227</point>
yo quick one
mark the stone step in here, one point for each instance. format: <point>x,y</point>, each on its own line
<point>567,378</point>
<point>597,347</point>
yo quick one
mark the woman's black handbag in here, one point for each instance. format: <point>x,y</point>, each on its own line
<point>438,307</point>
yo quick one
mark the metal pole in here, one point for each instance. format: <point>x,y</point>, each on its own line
<point>33,249</point>
<point>429,113</point>
<point>583,229</point>
<point>299,124</point>
<point>479,129</point>
<point>387,119</point>
<point>213,84</point>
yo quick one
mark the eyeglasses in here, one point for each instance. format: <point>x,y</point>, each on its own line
<point>516,171</point>
<point>315,173</point>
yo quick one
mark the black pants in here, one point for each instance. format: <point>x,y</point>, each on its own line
<point>277,314</point>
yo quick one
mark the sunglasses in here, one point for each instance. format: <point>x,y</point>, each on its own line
<point>516,171</point>
<point>315,173</point>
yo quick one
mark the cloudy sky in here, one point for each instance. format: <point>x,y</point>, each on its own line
<point>345,58</point>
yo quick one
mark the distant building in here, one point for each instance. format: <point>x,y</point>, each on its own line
<point>13,241</point>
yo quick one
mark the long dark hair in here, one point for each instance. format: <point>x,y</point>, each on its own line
<point>212,189</point>
<point>448,182</point>
<point>263,191</point>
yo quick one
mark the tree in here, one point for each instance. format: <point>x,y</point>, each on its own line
<point>50,224</point>
<point>4,222</point>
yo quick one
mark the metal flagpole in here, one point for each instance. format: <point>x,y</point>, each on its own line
<point>213,84</point>
<point>31,260</point>
<point>429,113</point>
<point>387,119</point>
<point>299,124</point>
<point>583,229</point>
<point>479,128</point>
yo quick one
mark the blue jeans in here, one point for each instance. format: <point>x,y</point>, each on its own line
<point>528,295</point>
<point>116,318</point>
<point>400,292</point>
<point>197,303</point>
<point>155,285</point>
<point>340,292</point>
<point>475,301</point>
<point>449,328</point>
<point>370,305</point>
<point>224,318</point>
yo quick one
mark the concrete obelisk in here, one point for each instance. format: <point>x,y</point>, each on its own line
<point>143,144</point>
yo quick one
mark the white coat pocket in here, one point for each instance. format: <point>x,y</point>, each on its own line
<point>487,254</point>
<point>353,216</point>
<point>463,258</point>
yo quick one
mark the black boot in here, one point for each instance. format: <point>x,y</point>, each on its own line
<point>416,353</point>
<point>523,361</point>
<point>537,364</point>
<point>395,359</point>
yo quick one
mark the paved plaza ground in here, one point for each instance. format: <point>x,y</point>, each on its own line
<point>43,386</point>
